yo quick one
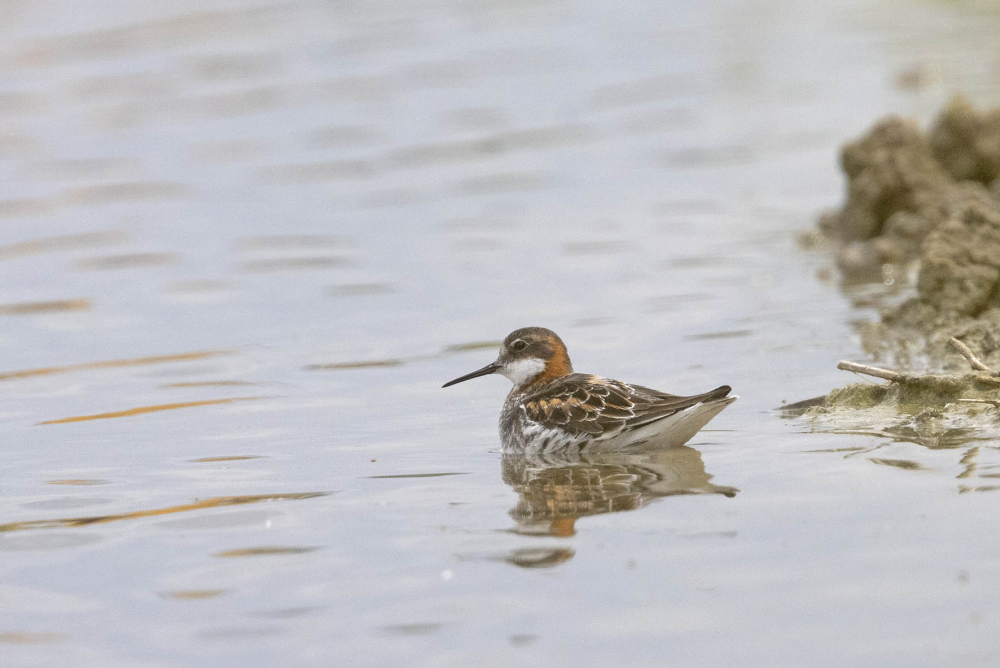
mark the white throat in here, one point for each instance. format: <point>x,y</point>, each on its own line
<point>521,371</point>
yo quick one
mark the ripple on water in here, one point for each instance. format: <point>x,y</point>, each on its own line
<point>597,247</point>
<point>729,334</point>
<point>141,37</point>
<point>288,613</point>
<point>67,502</point>
<point>498,183</point>
<point>414,629</point>
<point>360,289</point>
<point>241,633</point>
<point>232,150</point>
<point>124,192</point>
<point>26,638</point>
<point>300,241</point>
<point>344,136</point>
<point>127,261</point>
<point>62,243</point>
<point>15,599</point>
<point>229,520</point>
<point>368,364</point>
<point>25,206</point>
<point>522,639</point>
<point>234,67</point>
<point>85,168</point>
<point>44,541</point>
<point>293,264</point>
<point>305,172</point>
<point>473,345</point>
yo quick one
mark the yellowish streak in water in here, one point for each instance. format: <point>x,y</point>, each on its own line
<point>212,383</point>
<point>146,409</point>
<point>264,551</point>
<point>214,502</point>
<point>30,308</point>
<point>109,364</point>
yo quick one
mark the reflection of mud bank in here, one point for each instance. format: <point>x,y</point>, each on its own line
<point>930,198</point>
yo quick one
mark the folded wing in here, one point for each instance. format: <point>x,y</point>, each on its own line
<point>592,408</point>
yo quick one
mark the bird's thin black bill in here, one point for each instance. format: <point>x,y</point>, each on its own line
<point>485,371</point>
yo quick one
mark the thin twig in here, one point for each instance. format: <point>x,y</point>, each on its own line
<point>884,374</point>
<point>964,351</point>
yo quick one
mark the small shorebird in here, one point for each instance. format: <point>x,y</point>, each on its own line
<point>553,410</point>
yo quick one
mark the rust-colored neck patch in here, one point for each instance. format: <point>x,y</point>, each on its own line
<point>557,366</point>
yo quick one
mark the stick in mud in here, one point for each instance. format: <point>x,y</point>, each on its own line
<point>974,361</point>
<point>884,374</point>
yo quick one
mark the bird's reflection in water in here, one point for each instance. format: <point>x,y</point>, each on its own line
<point>554,492</point>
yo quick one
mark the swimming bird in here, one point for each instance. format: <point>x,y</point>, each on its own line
<point>552,410</point>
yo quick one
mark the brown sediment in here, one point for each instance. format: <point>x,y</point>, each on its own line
<point>142,410</point>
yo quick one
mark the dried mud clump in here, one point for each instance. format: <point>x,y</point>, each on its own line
<point>894,190</point>
<point>967,143</point>
<point>931,199</point>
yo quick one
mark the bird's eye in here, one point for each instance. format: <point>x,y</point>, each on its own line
<point>518,345</point>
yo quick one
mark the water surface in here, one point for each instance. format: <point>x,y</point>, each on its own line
<point>243,244</point>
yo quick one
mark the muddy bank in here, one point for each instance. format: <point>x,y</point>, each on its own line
<point>927,201</point>
<point>930,409</point>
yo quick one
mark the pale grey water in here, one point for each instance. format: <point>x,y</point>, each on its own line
<point>325,210</point>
